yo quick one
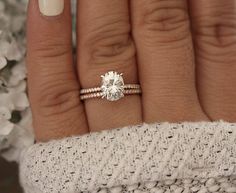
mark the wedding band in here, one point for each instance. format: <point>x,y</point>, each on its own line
<point>112,88</point>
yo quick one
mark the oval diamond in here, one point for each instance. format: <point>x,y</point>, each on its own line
<point>112,86</point>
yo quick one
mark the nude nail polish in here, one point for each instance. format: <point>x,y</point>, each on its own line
<point>51,7</point>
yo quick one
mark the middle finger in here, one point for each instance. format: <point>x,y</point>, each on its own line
<point>166,60</point>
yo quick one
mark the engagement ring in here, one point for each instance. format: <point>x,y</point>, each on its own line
<point>112,88</point>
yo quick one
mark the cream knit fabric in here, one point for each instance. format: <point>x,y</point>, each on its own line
<point>156,158</point>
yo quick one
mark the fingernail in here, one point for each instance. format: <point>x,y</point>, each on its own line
<point>51,7</point>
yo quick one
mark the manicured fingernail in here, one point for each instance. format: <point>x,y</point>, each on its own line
<point>51,7</point>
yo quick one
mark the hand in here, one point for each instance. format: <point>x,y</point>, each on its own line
<point>183,54</point>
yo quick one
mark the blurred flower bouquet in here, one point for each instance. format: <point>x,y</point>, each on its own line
<point>16,131</point>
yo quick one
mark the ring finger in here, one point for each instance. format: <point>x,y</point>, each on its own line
<point>105,44</point>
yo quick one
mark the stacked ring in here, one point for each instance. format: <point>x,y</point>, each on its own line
<point>112,88</point>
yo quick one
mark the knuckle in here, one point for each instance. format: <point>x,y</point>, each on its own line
<point>53,47</point>
<point>109,41</point>
<point>164,20</point>
<point>115,49</point>
<point>108,25</point>
<point>216,30</point>
<point>215,38</point>
<point>56,99</point>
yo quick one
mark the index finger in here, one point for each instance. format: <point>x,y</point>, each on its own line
<point>53,86</point>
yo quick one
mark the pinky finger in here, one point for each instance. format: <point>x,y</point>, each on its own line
<point>214,27</point>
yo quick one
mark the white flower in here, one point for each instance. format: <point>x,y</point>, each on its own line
<point>2,6</point>
<point>4,46</point>
<point>15,137</point>
<point>19,139</point>
<point>10,51</point>
<point>20,87</point>
<point>6,103</point>
<point>17,23</point>
<point>16,131</point>
<point>3,62</point>
<point>13,52</point>
<point>5,113</point>
<point>14,101</point>
<point>18,74</point>
<point>6,129</point>
<point>15,134</point>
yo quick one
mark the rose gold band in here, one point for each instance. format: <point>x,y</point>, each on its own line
<point>95,93</point>
<point>98,89</point>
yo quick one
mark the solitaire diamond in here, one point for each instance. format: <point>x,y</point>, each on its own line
<point>112,86</point>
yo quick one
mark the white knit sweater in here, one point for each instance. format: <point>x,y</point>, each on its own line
<point>155,158</point>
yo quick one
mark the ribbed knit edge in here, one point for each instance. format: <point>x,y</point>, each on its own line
<point>130,155</point>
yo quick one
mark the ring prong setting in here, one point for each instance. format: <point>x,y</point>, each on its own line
<point>112,88</point>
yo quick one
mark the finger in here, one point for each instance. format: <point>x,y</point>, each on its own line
<point>105,45</point>
<point>166,60</point>
<point>214,26</point>
<point>53,87</point>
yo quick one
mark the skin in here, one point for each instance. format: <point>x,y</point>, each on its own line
<point>183,54</point>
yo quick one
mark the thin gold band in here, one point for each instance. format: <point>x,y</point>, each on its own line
<point>98,94</point>
<point>98,89</point>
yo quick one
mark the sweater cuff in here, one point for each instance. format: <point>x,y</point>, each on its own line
<point>130,155</point>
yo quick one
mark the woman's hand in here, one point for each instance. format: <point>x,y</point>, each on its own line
<point>183,53</point>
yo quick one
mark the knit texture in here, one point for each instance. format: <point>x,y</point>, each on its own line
<point>144,158</point>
